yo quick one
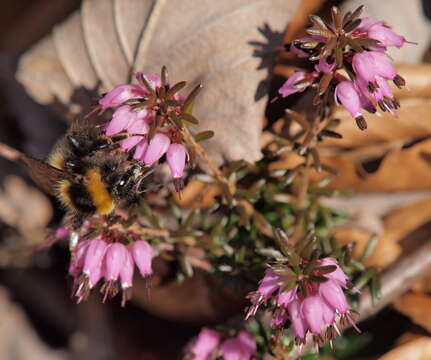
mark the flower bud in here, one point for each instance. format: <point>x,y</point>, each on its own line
<point>289,87</point>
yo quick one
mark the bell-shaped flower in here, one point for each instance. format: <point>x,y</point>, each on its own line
<point>205,345</point>
<point>176,156</point>
<point>142,255</point>
<point>157,147</point>
<point>347,94</point>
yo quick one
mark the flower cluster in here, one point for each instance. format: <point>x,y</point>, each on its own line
<point>137,117</point>
<point>95,259</point>
<point>314,303</point>
<point>208,346</point>
<point>358,47</point>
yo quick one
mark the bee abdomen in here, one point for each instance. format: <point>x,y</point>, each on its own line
<point>97,188</point>
<point>75,196</point>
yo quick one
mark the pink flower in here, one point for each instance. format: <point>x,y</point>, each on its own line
<point>140,149</point>
<point>77,261</point>
<point>366,23</point>
<point>312,313</point>
<point>241,347</point>
<point>126,277</point>
<point>298,322</point>
<point>334,296</point>
<point>176,156</point>
<point>292,86</point>
<point>142,255</point>
<point>120,120</point>
<point>338,274</point>
<point>266,288</point>
<point>385,35</point>
<point>370,64</point>
<point>205,345</point>
<point>114,260</point>
<point>120,94</point>
<point>131,142</point>
<point>325,66</point>
<point>268,284</point>
<point>347,94</point>
<point>157,147</point>
<point>61,233</point>
<point>94,255</point>
<point>285,297</point>
<point>313,307</point>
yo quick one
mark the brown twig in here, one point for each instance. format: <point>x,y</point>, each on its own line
<point>397,279</point>
<point>140,230</point>
<point>199,150</point>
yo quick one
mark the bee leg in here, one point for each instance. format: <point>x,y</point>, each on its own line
<point>110,143</point>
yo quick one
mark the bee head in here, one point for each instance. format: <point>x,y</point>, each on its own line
<point>131,182</point>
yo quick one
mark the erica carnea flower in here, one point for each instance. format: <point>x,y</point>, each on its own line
<point>311,297</point>
<point>297,82</point>
<point>208,345</point>
<point>241,347</point>
<point>357,46</point>
<point>204,346</point>
<point>147,118</point>
<point>121,94</point>
<point>95,259</point>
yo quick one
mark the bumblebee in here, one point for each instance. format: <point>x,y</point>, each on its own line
<point>87,171</point>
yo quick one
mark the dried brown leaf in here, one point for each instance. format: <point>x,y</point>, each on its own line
<point>220,44</point>
<point>24,207</point>
<point>417,349</point>
<point>416,307</point>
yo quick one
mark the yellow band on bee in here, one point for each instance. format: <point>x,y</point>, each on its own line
<point>100,196</point>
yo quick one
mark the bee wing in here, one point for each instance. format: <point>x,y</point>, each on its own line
<point>45,175</point>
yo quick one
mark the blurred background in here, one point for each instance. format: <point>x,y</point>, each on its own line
<point>56,56</point>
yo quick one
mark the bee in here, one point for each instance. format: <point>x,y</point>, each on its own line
<point>86,171</point>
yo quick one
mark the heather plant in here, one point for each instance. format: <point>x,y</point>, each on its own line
<point>266,230</point>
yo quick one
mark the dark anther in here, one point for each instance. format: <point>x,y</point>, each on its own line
<point>362,124</point>
<point>399,81</point>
